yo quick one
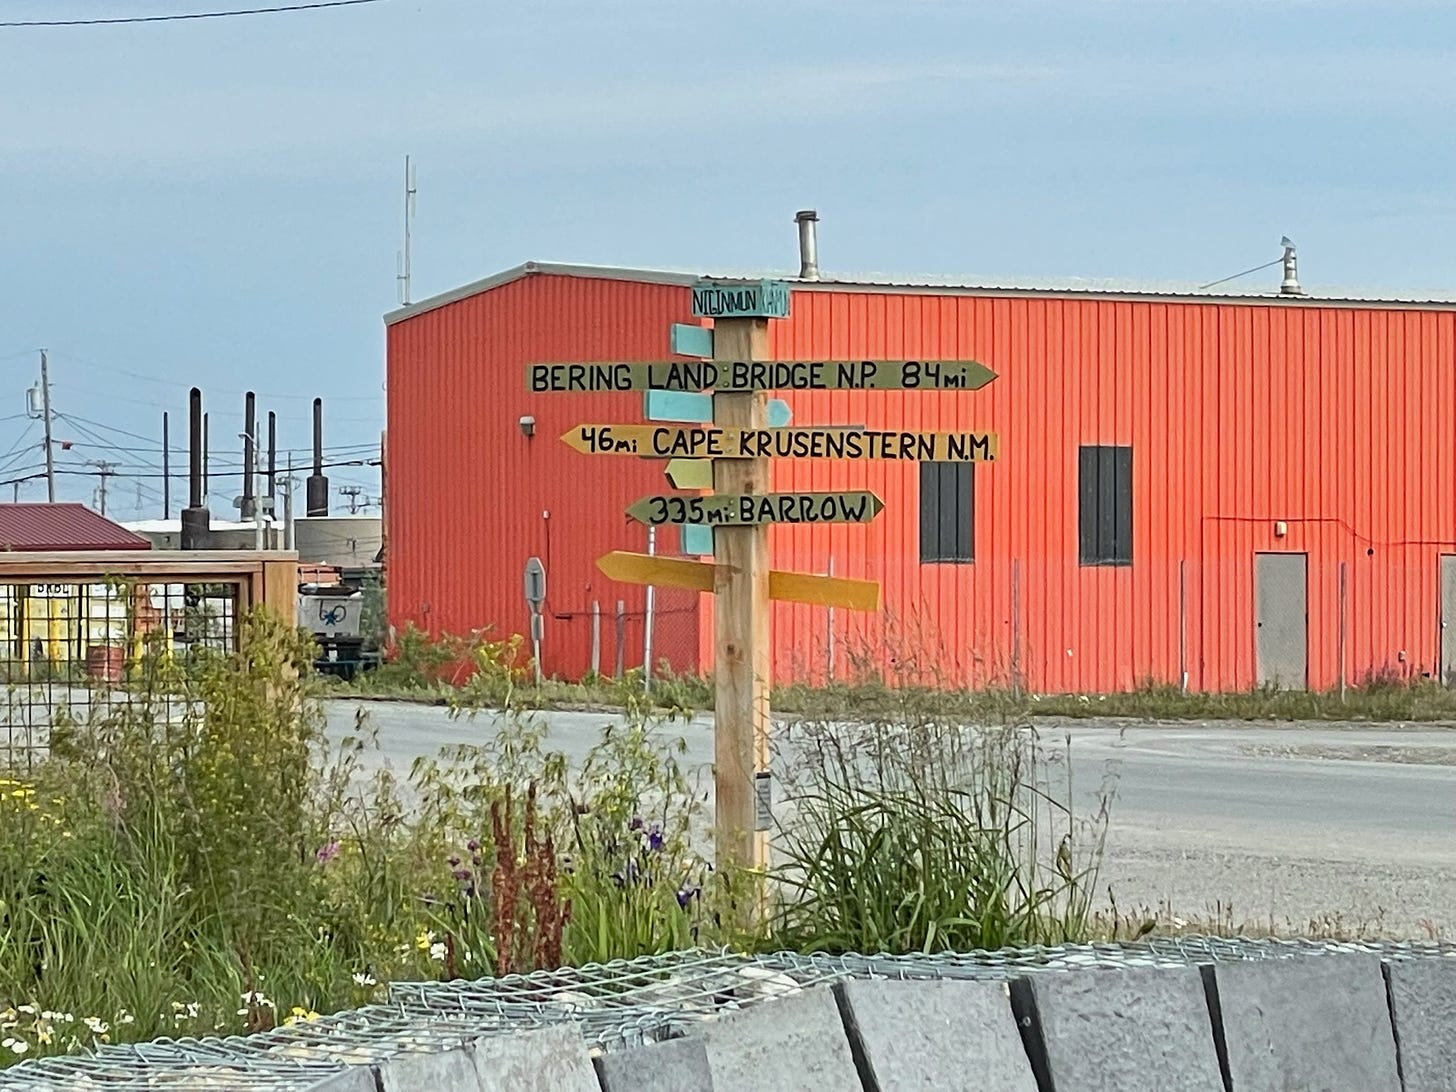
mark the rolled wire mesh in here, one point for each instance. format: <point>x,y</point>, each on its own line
<point>616,1005</point>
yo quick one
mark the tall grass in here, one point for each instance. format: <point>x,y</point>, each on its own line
<point>199,857</point>
<point>927,835</point>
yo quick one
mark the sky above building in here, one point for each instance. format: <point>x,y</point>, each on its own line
<point>219,202</point>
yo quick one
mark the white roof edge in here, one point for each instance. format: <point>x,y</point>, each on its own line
<point>1067,288</point>
<point>526,269</point>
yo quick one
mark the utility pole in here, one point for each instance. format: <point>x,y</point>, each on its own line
<point>251,475</point>
<point>288,483</point>
<point>105,470</point>
<point>353,492</point>
<point>409,211</point>
<point>45,396</point>
<point>166,470</point>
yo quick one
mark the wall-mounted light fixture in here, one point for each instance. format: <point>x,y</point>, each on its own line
<point>528,426</point>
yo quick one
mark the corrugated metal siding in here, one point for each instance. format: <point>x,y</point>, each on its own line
<point>1337,421</point>
<point>471,498</point>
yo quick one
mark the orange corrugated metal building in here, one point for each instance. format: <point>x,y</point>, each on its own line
<point>1222,490</point>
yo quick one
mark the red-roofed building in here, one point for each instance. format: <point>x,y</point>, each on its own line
<point>36,528</point>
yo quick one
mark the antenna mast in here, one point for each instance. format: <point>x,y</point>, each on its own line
<point>403,276</point>
<point>50,461</point>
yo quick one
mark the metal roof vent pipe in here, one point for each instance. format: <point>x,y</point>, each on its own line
<point>808,245</point>
<point>1290,287</point>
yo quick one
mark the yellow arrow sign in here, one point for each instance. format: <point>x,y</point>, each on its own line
<point>690,473</point>
<point>672,572</point>
<point>712,442</point>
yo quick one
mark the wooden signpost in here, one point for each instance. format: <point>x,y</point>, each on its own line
<point>731,452</point>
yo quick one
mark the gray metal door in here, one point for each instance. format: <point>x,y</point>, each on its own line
<point>1281,621</point>
<point>1448,619</point>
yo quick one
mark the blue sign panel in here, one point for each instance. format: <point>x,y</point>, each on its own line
<point>741,299</point>
<point>697,538</point>
<point>698,408</point>
<point>685,340</point>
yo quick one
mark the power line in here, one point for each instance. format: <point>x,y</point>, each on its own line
<point>188,15</point>
<point>1236,276</point>
<point>110,369</point>
<point>154,446</point>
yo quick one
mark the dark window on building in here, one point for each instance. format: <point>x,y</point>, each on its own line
<point>1105,508</point>
<point>947,512</point>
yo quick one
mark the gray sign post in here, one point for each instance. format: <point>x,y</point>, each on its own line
<point>535,596</point>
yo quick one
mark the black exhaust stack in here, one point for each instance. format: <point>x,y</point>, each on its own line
<point>318,485</point>
<point>272,460</point>
<point>248,509</point>
<point>196,522</point>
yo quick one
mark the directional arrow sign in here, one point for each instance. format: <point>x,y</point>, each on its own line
<point>712,442</point>
<point>690,473</point>
<point>759,375</point>
<point>825,591</point>
<point>739,509</point>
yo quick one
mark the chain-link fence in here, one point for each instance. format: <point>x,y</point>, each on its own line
<point>616,1005</point>
<point>67,648</point>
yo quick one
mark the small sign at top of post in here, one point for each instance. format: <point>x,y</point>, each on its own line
<point>740,299</point>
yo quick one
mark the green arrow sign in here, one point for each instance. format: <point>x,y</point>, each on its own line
<point>758,375</point>
<point>690,473</point>
<point>740,509</point>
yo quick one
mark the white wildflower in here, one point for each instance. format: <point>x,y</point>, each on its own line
<point>437,952</point>
<point>363,979</point>
<point>16,1046</point>
<point>29,1010</point>
<point>96,1026</point>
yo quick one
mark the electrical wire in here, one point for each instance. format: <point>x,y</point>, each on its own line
<point>154,448</point>
<point>70,357</point>
<point>1236,276</point>
<point>187,15</point>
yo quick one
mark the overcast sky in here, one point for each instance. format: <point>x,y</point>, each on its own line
<point>219,202</point>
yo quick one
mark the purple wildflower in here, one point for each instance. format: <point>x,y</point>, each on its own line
<point>462,874</point>
<point>654,838</point>
<point>473,845</point>
<point>453,861</point>
<point>327,853</point>
<point>636,823</point>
